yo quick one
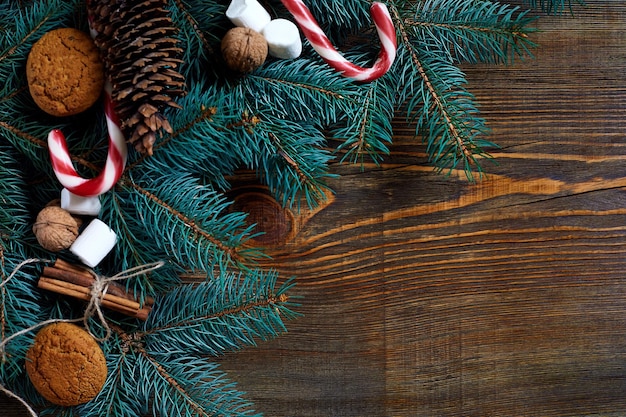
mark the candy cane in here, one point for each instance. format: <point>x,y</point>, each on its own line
<point>321,44</point>
<point>115,162</point>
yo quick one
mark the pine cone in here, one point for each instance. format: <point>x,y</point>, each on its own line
<point>137,41</point>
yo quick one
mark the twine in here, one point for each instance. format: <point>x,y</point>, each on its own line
<point>98,291</point>
<point>100,287</point>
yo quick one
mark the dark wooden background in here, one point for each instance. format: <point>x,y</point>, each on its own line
<point>427,296</point>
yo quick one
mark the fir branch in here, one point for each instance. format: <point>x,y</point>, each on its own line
<point>453,130</point>
<point>203,132</point>
<point>19,301</point>
<point>22,307</point>
<point>367,129</point>
<point>470,31</point>
<point>8,94</point>
<point>442,109</point>
<point>218,316</point>
<point>188,386</point>
<point>202,25</point>
<point>182,219</point>
<point>118,395</point>
<point>30,144</point>
<point>301,90</point>
<point>136,251</point>
<point>291,161</point>
<point>309,90</point>
<point>15,217</point>
<point>553,7</point>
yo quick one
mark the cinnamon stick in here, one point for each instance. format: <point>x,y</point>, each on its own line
<point>113,302</point>
<point>76,274</point>
<point>142,313</point>
<point>82,293</point>
<point>72,277</point>
<point>82,279</point>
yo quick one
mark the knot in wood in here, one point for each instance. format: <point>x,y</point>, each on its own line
<point>275,222</point>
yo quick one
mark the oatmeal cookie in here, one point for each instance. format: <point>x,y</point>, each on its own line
<point>66,365</point>
<point>64,72</point>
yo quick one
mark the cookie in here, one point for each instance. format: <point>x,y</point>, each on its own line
<point>66,365</point>
<point>64,72</point>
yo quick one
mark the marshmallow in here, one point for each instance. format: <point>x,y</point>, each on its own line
<point>76,204</point>
<point>283,39</point>
<point>94,243</point>
<point>249,14</point>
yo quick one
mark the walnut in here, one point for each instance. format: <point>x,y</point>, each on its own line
<point>55,228</point>
<point>244,49</point>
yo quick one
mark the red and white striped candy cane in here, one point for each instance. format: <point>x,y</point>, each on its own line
<point>321,43</point>
<point>115,162</point>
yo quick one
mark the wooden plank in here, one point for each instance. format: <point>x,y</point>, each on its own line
<point>428,296</point>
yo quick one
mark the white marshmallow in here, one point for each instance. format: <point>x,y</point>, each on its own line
<point>249,14</point>
<point>283,39</point>
<point>76,204</point>
<point>94,243</point>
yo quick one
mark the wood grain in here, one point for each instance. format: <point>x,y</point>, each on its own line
<point>424,295</point>
<point>427,296</point>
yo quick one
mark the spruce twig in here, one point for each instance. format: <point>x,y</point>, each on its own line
<point>553,6</point>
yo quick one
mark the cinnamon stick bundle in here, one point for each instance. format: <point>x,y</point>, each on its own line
<point>75,281</point>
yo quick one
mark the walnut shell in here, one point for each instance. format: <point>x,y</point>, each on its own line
<point>55,228</point>
<point>244,49</point>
